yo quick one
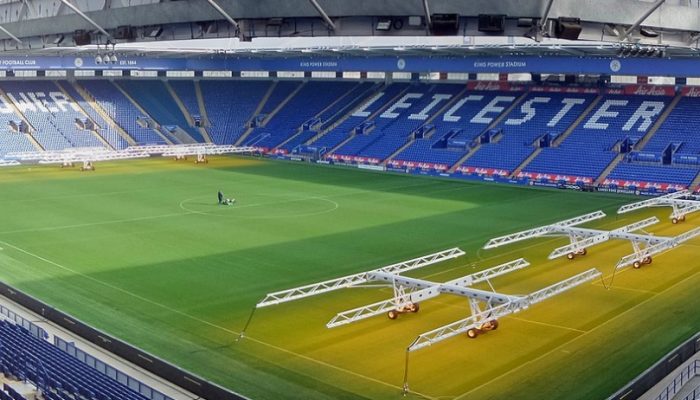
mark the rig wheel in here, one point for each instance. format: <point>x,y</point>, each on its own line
<point>637,265</point>
<point>646,260</point>
<point>571,256</point>
<point>472,333</point>
<point>674,220</point>
<point>393,314</point>
<point>415,307</point>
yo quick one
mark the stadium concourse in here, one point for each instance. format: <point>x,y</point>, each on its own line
<point>616,137</point>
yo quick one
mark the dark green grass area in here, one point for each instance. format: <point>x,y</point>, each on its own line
<point>142,251</point>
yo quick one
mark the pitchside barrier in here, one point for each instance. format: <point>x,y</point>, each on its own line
<point>149,362</point>
<point>647,379</point>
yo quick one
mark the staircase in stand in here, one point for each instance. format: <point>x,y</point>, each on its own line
<point>609,169</point>
<point>662,118</point>
<point>398,151</point>
<point>98,108</point>
<point>560,138</point>
<point>643,141</point>
<point>492,125</point>
<point>85,114</point>
<point>142,111</point>
<point>186,113</point>
<point>346,116</point>
<point>257,111</point>
<point>696,183</point>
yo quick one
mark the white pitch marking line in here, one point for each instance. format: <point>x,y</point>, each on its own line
<point>109,285</point>
<point>530,321</point>
<point>114,221</point>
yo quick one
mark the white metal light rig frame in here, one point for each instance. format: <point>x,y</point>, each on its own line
<point>644,245</point>
<point>486,307</point>
<point>87,156</point>
<point>683,203</point>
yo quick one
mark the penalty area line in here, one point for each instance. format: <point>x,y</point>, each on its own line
<point>210,324</point>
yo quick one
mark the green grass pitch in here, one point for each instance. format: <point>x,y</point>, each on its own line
<point>141,250</point>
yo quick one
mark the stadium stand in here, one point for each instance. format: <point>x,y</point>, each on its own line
<point>487,127</point>
<point>11,142</point>
<point>230,105</point>
<point>347,130</point>
<point>456,129</point>
<point>185,90</point>
<point>154,97</point>
<point>395,126</point>
<point>52,115</point>
<point>680,127</point>
<point>653,173</point>
<point>592,146</point>
<point>307,103</point>
<point>104,128</point>
<point>539,114</point>
<point>121,110</point>
<point>62,377</point>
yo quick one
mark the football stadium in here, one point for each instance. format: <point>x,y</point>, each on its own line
<point>329,199</point>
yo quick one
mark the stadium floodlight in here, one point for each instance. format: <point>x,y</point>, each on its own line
<point>113,58</point>
<point>682,202</point>
<point>644,245</point>
<point>98,59</point>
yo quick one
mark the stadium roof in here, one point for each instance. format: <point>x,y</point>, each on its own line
<point>274,28</point>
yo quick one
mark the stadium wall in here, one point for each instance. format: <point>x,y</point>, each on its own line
<point>660,370</point>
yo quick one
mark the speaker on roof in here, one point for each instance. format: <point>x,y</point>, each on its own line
<point>492,23</point>
<point>445,24</point>
<point>568,28</point>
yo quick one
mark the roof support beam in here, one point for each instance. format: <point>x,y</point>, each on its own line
<point>545,15</point>
<point>641,19</point>
<point>428,20</point>
<point>323,14</point>
<point>223,12</point>
<point>13,37</point>
<point>85,17</point>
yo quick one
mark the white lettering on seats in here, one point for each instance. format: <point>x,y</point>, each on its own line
<point>568,105</point>
<point>24,104</point>
<point>528,111</point>
<point>481,118</point>
<point>5,107</point>
<point>361,112</point>
<point>449,115</point>
<point>401,104</point>
<point>646,111</point>
<point>423,114</point>
<point>39,98</point>
<point>61,101</point>
<point>603,112</point>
